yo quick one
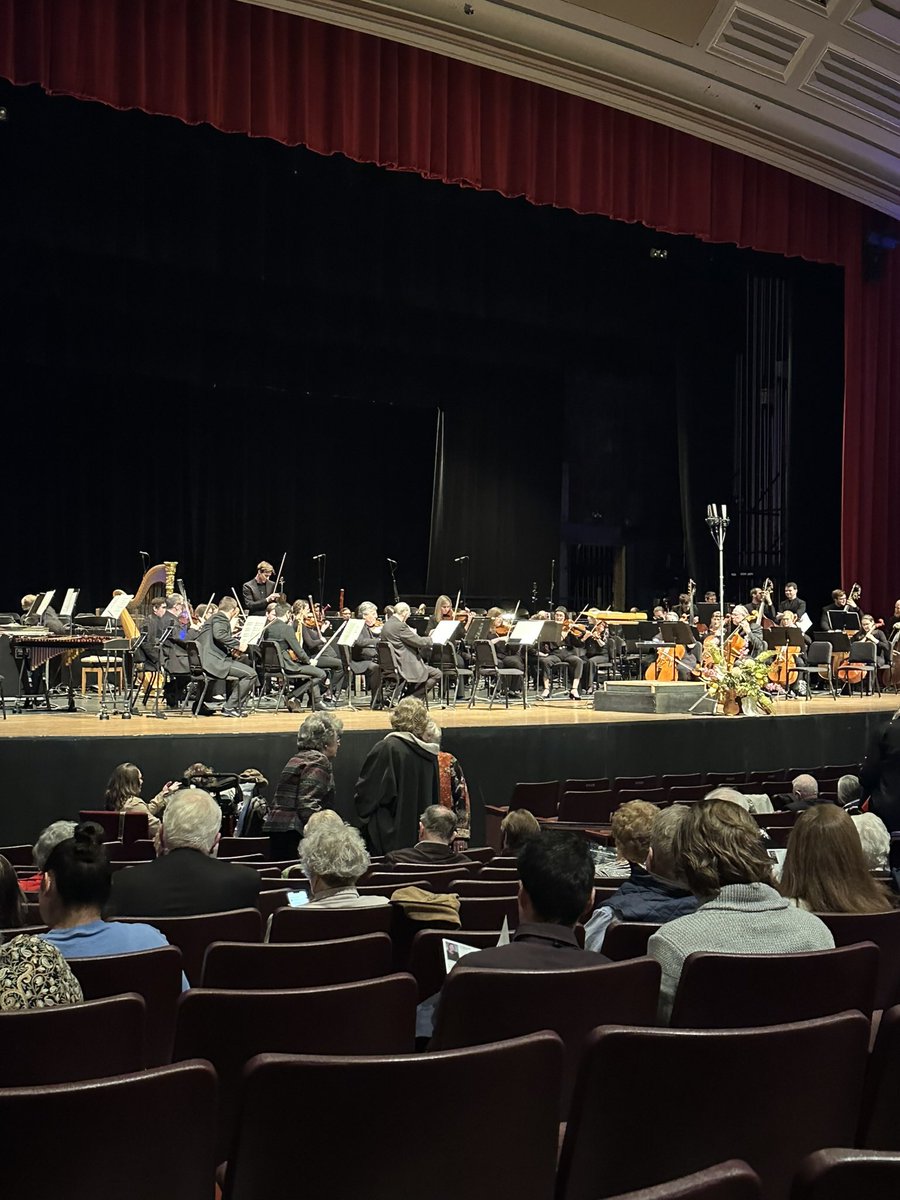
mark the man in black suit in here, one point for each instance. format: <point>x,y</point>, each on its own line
<point>792,602</point>
<point>308,678</point>
<point>216,640</point>
<point>186,879</point>
<point>437,827</point>
<point>407,646</point>
<point>256,591</point>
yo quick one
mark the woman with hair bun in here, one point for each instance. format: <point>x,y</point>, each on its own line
<point>74,892</point>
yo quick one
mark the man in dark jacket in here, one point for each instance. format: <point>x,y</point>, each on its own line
<point>653,893</point>
<point>437,827</point>
<point>294,660</point>
<point>407,646</point>
<point>216,641</point>
<point>186,879</point>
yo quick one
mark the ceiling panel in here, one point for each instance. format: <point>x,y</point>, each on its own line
<point>680,20</point>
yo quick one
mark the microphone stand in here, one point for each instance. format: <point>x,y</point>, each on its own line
<point>393,567</point>
<point>552,583</point>
<point>320,567</point>
<point>717,522</point>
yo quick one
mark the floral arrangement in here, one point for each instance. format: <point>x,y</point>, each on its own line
<point>740,685</point>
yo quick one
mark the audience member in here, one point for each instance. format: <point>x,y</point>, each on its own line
<point>880,774</point>
<point>306,785</point>
<point>655,892</point>
<point>186,879</point>
<point>718,849</point>
<point>34,974</point>
<point>749,802</point>
<point>50,837</point>
<point>849,792</point>
<point>398,780</point>
<point>804,794</point>
<point>123,794</point>
<point>334,857</point>
<point>874,839</point>
<point>631,824</point>
<point>517,828</point>
<point>825,870</point>
<point>74,892</point>
<point>437,829</point>
<point>12,901</point>
<point>454,791</point>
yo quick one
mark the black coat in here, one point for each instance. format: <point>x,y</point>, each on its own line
<point>283,635</point>
<point>183,883</point>
<point>433,853</point>
<point>880,775</point>
<point>214,641</point>
<point>256,595</point>
<point>407,646</point>
<point>398,781</point>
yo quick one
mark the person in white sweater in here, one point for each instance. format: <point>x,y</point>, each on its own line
<point>720,853</point>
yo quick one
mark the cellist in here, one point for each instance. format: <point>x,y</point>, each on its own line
<point>745,639</point>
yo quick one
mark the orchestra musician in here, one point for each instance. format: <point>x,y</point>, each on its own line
<point>566,655</point>
<point>154,628</point>
<point>294,661</point>
<point>687,664</point>
<point>761,603</point>
<point>364,653</point>
<point>738,622</point>
<point>256,591</point>
<point>49,618</point>
<point>216,642</point>
<point>869,633</point>
<point>710,598</point>
<point>407,646</point>
<point>792,602</point>
<point>443,611</point>
<point>839,603</point>
<point>174,655</point>
<point>312,635</point>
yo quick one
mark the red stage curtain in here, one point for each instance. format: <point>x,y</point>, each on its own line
<point>251,70</point>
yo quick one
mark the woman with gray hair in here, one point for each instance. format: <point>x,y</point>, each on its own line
<point>306,785</point>
<point>333,858</point>
<point>398,780</point>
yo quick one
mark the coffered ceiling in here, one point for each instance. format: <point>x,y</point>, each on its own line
<point>812,86</point>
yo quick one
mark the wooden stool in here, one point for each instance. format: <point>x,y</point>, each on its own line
<point>97,667</point>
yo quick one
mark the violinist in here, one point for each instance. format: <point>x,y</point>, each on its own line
<point>364,653</point>
<point>311,631</point>
<point>217,641</point>
<point>598,650</point>
<point>565,654</point>
<point>294,661</point>
<point>256,591</point>
<point>174,655</point>
<point>443,611</point>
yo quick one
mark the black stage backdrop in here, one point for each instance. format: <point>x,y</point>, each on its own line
<point>217,348</point>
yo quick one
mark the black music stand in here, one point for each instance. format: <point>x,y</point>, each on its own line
<point>644,633</point>
<point>843,621</point>
<point>704,611</point>
<point>160,674</point>
<point>479,630</point>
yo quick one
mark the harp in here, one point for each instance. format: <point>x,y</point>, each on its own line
<point>158,581</point>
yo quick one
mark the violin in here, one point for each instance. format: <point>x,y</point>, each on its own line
<point>574,628</point>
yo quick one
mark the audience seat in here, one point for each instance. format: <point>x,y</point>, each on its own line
<point>636,783</point>
<point>651,795</point>
<point>143,1136</point>
<point>72,1041</point>
<point>541,799</point>
<point>592,808</point>
<point>118,826</point>
<point>193,934</point>
<point>296,965</point>
<point>627,939</point>
<point>767,1096</point>
<point>499,873</point>
<point>390,1154</point>
<point>476,912</point>
<point>884,930</point>
<point>848,1175</point>
<point>6,934</point>
<point>503,862</point>
<point>234,847</point>
<point>775,820</point>
<point>689,779</point>
<point>486,888</point>
<point>153,974</point>
<point>735,779</point>
<point>879,1126</point>
<point>129,853</point>
<point>317,924</point>
<point>17,856</point>
<point>228,1028</point>
<point>481,1005</point>
<point>426,956</point>
<point>778,836</point>
<point>732,1180</point>
<point>738,991</point>
<point>387,889</point>
<point>480,854</point>
<point>584,785</point>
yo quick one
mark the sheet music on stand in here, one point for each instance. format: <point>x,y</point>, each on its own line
<point>479,630</point>
<point>804,624</point>
<point>353,627</point>
<point>68,605</point>
<point>116,606</point>
<point>446,631</point>
<point>527,633</point>
<point>252,629</point>
<point>44,603</point>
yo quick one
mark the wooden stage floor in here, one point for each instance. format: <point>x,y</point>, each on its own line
<point>540,715</point>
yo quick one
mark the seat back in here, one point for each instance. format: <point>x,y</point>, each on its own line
<point>426,956</point>
<point>319,924</point>
<point>485,657</point>
<point>17,856</point>
<point>231,847</point>
<point>640,783</point>
<point>485,1004</point>
<point>286,965</point>
<point>193,934</point>
<point>228,1028</point>
<point>878,1126</point>
<point>503,874</point>
<point>183,1097</point>
<point>818,1067</point>
<point>736,991</point>
<point>125,827</point>
<point>476,912</point>
<point>884,930</point>
<point>472,1081</point>
<point>153,974</point>
<point>68,1042</point>
<point>541,799</point>
<point>585,785</point>
<point>627,939</point>
<point>486,888</point>
<point>591,808</point>
<point>839,1174</point>
<point>482,854</point>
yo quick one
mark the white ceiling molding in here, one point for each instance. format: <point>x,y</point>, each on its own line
<point>778,87</point>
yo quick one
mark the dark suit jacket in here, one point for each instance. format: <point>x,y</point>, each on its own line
<point>880,775</point>
<point>536,948</point>
<point>183,883</point>
<point>283,635</point>
<point>432,853</point>
<point>407,645</point>
<point>796,606</point>
<point>214,641</point>
<point>256,595</point>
